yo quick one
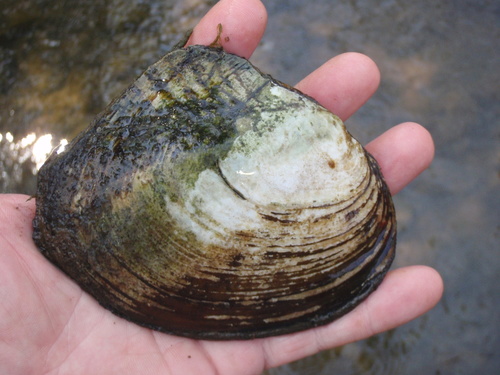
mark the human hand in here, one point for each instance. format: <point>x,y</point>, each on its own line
<point>49,325</point>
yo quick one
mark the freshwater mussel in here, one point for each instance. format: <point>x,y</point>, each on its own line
<point>211,201</point>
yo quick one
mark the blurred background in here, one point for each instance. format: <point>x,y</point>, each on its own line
<point>62,61</point>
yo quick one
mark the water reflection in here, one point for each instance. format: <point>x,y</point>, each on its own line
<point>21,159</point>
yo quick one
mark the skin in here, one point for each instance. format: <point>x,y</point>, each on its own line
<point>49,326</point>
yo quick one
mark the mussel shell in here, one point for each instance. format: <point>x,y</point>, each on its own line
<point>212,201</point>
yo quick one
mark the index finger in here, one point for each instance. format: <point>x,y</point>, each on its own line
<point>243,24</point>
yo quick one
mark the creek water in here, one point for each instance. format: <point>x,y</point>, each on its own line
<point>61,62</point>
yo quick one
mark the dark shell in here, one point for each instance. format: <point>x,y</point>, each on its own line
<point>211,201</point>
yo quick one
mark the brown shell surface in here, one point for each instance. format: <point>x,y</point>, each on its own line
<point>211,201</point>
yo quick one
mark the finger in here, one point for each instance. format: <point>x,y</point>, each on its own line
<point>343,84</point>
<point>403,152</point>
<point>404,294</point>
<point>243,24</point>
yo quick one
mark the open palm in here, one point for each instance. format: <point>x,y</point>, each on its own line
<point>48,325</point>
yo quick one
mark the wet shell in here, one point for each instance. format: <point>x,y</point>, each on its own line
<point>211,201</point>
